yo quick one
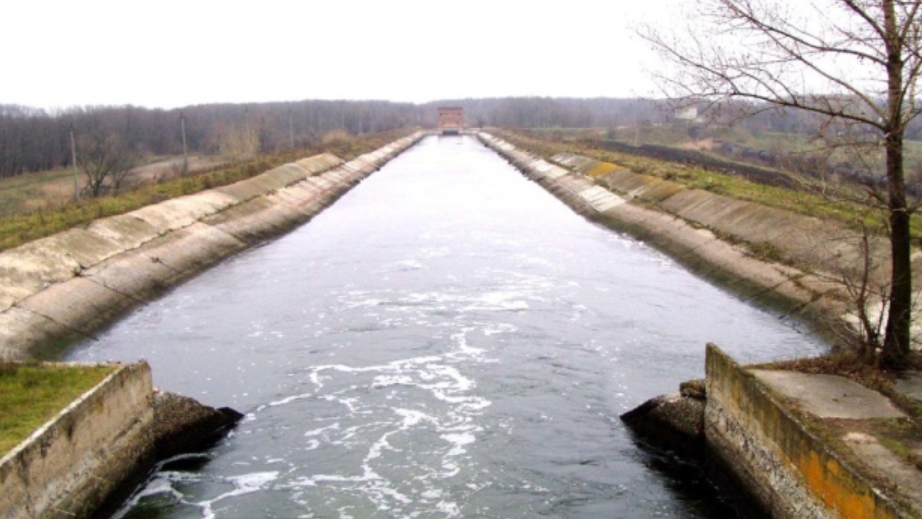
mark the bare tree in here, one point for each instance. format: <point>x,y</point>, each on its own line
<point>855,62</point>
<point>237,144</point>
<point>106,160</point>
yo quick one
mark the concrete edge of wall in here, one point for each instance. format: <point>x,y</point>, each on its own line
<point>786,466</point>
<point>822,244</point>
<point>790,290</point>
<point>65,287</point>
<point>77,460</point>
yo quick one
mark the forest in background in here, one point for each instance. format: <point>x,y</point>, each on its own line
<point>34,139</point>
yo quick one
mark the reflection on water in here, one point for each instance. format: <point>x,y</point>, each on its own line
<point>447,341</point>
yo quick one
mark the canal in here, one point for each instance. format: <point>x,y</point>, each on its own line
<point>447,341</point>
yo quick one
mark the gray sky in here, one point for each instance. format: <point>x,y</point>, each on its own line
<point>172,53</point>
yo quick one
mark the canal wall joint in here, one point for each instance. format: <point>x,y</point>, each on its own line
<point>67,286</point>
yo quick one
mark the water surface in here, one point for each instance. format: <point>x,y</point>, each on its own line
<point>447,341</point>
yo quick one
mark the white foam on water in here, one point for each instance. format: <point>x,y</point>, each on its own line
<point>454,424</point>
<point>498,301</point>
<point>431,494</point>
<point>156,486</point>
<point>410,265</point>
<point>464,348</point>
<point>383,381</point>
<point>163,483</point>
<point>449,508</point>
<point>321,430</point>
<point>363,303</point>
<point>243,484</point>
<point>375,449</point>
<point>498,328</point>
<point>459,441</point>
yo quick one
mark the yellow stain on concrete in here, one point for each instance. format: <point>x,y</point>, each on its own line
<point>768,422</point>
<point>829,481</point>
<point>600,169</point>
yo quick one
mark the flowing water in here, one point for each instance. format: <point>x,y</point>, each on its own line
<point>447,341</point>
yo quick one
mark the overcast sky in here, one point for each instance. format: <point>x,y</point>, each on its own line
<point>170,53</point>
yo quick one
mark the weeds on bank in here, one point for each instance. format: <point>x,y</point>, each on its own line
<point>30,395</point>
<point>18,229</point>
<point>801,202</point>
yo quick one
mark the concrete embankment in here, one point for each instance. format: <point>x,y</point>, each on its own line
<point>74,462</point>
<point>767,434</point>
<point>85,461</point>
<point>745,431</point>
<point>826,247</point>
<point>66,286</point>
<point>792,261</point>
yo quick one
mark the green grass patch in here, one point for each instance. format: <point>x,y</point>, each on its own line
<point>803,202</point>
<point>16,229</point>
<point>30,395</point>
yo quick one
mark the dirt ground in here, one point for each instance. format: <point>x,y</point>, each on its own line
<point>33,191</point>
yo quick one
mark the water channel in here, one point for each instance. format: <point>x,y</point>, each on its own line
<point>447,341</point>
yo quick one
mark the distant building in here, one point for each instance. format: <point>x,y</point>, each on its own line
<point>451,120</point>
<point>687,113</point>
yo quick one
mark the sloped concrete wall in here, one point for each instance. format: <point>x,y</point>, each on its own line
<point>694,245</point>
<point>66,286</point>
<point>72,464</point>
<point>822,244</point>
<point>790,471</point>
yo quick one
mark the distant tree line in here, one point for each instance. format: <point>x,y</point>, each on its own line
<point>33,139</point>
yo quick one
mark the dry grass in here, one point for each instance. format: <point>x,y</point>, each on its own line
<point>796,201</point>
<point>16,229</point>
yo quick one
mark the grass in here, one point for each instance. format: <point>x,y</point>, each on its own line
<point>30,395</point>
<point>801,202</point>
<point>17,229</point>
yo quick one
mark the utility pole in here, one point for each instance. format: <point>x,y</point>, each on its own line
<point>291,130</point>
<point>185,156</point>
<point>73,159</point>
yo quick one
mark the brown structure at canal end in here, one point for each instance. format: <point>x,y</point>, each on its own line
<point>451,120</point>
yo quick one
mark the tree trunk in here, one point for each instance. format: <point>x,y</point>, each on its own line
<point>897,339</point>
<point>899,318</point>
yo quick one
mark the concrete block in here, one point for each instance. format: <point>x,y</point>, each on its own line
<point>32,267</point>
<point>24,334</point>
<point>127,230</point>
<point>78,304</point>
<point>191,249</point>
<point>829,396</point>
<point>133,274</point>
<point>73,462</point>
<point>184,211</point>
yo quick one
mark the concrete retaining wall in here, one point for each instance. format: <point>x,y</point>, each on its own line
<point>71,465</point>
<point>822,244</point>
<point>66,286</point>
<point>790,471</point>
<point>696,246</point>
